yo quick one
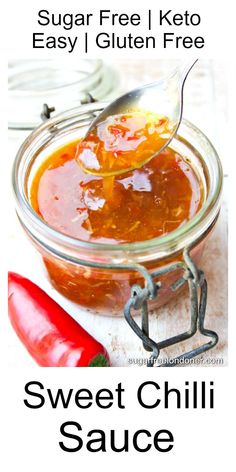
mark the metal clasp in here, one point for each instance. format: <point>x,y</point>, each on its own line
<point>198,300</point>
<point>46,111</point>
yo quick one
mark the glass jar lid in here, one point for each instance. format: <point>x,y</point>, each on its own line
<point>59,84</point>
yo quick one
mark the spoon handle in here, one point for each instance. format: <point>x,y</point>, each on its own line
<point>185,68</point>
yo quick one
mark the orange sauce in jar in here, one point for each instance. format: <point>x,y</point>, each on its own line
<point>142,204</point>
<point>145,203</point>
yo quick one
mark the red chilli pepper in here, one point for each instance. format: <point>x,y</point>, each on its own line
<point>52,337</point>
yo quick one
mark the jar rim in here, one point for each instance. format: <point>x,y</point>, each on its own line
<point>170,243</point>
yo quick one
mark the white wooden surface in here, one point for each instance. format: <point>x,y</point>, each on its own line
<point>205,106</point>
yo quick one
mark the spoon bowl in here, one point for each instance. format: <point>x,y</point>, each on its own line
<point>164,97</point>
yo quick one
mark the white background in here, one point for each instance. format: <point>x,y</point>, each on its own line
<point>202,438</point>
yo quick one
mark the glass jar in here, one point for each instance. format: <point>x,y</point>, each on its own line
<point>99,276</point>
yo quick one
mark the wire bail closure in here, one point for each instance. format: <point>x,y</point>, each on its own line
<point>47,110</point>
<point>198,300</point>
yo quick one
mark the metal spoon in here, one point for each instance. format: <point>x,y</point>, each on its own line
<point>164,97</point>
